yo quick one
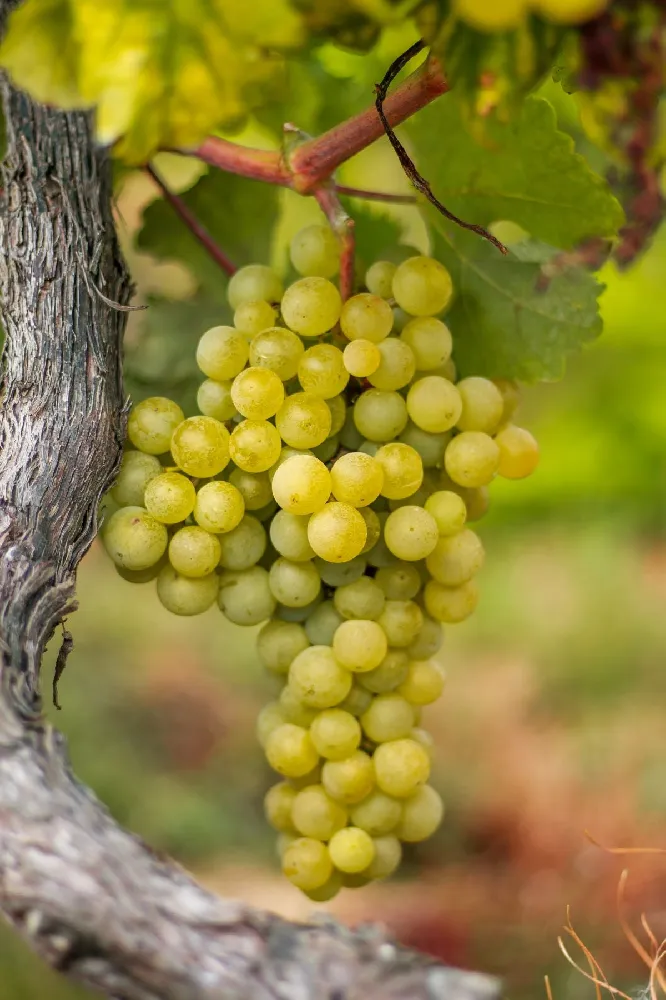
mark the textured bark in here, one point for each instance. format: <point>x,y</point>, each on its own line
<point>93,900</point>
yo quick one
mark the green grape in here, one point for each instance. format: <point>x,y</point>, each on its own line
<point>327,450</point>
<point>510,397</point>
<point>183,595</point>
<point>294,709</point>
<point>403,470</point>
<point>222,352</point>
<point>400,318</point>
<point>317,678</point>
<point>380,415</point>
<point>254,316</point>
<point>378,814</point>
<point>401,621</point>
<point>218,507</point>
<point>421,815</point>
<point>253,283</point>
<point>569,11</point>
<point>400,582</point>
<point>316,815</point>
<point>361,358</point>
<point>388,855</point>
<point>389,717</point>
<point>350,437</point>
<point>270,717</point>
<point>278,643</point>
<point>356,701</point>
<point>363,598</point>
<point>366,317</point>
<point>340,574</point>
<point>214,400</point>
<point>257,393</point>
<point>379,556</point>
<point>200,447</point>
<point>290,614</point>
<point>360,645</point>
<point>303,420</point>
<point>302,484</point>
<point>430,447</point>
<point>140,576</point>
<point>351,850</point>
<point>321,371</point>
<point>518,452</point>
<point>472,458</point>
<point>136,471</point>
<point>306,863</point>
<point>338,409</point>
<point>430,341</point>
<point>170,497</point>
<point>327,891</point>
<point>349,780</point>
<point>337,532</point>
<point>278,803</point>
<point>373,528</point>
<point>315,252</point>
<point>423,737</point>
<point>294,584</point>
<point>449,511</point>
<point>456,558</point>
<point>289,535</point>
<point>277,349</point>
<point>397,365</point>
<point>422,286</point>
<point>335,734</point>
<point>151,424</point>
<point>450,604</point>
<point>388,675</point>
<point>320,626</point>
<point>411,533</point>
<point>482,405</point>
<point>356,479</point>
<point>134,539</point>
<point>428,641</point>
<point>254,445</point>
<point>311,306</point>
<point>379,278</point>
<point>434,404</point>
<point>254,487</point>
<point>401,766</point>
<point>266,512</point>
<point>245,597</point>
<point>282,842</point>
<point>244,545</point>
<point>423,684</point>
<point>194,552</point>
<point>369,448</point>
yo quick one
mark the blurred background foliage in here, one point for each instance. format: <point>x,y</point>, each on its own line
<point>553,719</point>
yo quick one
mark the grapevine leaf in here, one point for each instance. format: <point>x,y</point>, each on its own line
<point>239,214</point>
<point>524,170</point>
<point>506,321</point>
<point>159,74</point>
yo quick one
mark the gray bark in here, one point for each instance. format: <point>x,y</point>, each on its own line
<point>94,901</point>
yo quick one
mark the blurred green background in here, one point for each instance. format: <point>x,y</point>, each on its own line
<point>553,719</point>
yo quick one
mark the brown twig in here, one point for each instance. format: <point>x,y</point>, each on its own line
<point>198,230</point>
<point>419,182</point>
<point>392,199</point>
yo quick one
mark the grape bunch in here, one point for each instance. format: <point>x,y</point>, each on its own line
<point>325,491</point>
<point>502,15</point>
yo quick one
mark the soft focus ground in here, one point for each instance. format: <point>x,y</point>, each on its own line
<point>552,722</point>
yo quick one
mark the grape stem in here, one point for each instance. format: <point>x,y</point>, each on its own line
<point>197,229</point>
<point>386,196</point>
<point>343,225</point>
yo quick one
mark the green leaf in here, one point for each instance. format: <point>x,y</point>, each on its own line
<point>506,320</point>
<point>524,170</point>
<point>160,74</point>
<point>239,214</point>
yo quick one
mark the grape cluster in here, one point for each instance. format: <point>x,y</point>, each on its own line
<point>325,490</point>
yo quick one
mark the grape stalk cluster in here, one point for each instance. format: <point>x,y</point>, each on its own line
<point>324,491</point>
